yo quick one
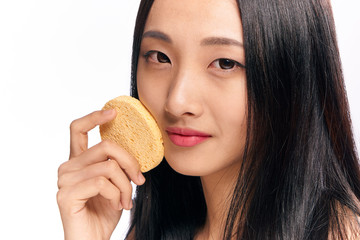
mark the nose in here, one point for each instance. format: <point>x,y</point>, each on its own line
<point>184,97</point>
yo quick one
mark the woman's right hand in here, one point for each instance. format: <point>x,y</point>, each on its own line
<point>95,184</point>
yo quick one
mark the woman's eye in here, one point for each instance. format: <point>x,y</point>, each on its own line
<point>158,57</point>
<point>225,64</point>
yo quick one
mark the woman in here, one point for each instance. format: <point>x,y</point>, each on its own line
<point>250,99</point>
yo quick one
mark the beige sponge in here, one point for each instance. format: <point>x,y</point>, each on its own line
<point>135,130</point>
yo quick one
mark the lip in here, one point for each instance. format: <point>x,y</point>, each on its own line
<point>185,137</point>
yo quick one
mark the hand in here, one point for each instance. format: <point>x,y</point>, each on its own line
<point>94,185</point>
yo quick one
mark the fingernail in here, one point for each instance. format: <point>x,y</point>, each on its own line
<point>141,178</point>
<point>108,112</point>
<point>120,207</point>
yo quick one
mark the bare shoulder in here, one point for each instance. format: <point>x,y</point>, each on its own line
<point>352,228</point>
<point>346,226</point>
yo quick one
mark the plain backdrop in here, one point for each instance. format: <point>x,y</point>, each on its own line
<point>60,60</point>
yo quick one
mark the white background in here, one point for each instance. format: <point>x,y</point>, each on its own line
<point>60,60</point>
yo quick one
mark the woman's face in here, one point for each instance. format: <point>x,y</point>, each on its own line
<point>191,78</point>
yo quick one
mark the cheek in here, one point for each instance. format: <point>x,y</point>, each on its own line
<point>235,136</point>
<point>151,92</point>
<point>231,118</point>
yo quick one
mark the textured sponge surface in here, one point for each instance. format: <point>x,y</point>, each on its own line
<point>135,130</point>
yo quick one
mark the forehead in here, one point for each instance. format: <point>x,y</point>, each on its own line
<point>196,18</point>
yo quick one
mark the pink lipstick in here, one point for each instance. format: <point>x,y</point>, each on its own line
<point>186,137</point>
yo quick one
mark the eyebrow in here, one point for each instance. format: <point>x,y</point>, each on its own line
<point>205,42</point>
<point>157,35</point>
<point>220,41</point>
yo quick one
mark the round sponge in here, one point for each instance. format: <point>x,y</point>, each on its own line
<point>135,130</point>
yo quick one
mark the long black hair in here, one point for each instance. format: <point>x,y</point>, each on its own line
<point>300,175</point>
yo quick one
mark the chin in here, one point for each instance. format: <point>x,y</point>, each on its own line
<point>188,168</point>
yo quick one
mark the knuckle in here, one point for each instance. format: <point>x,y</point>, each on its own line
<point>111,166</point>
<point>62,168</point>
<point>59,183</point>
<point>60,197</point>
<point>74,125</point>
<point>128,187</point>
<point>106,144</point>
<point>100,182</point>
<point>62,181</point>
<point>117,193</point>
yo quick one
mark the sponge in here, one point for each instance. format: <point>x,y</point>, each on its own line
<point>135,130</point>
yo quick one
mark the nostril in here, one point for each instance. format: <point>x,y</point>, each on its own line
<point>178,109</point>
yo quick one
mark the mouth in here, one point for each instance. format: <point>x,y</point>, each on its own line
<point>184,137</point>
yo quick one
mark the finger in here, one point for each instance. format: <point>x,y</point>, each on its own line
<point>109,169</point>
<point>109,150</point>
<point>77,196</point>
<point>80,127</point>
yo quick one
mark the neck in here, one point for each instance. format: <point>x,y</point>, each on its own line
<point>218,188</point>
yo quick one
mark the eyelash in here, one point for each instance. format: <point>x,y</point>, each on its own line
<point>233,62</point>
<point>149,53</point>
<point>167,60</point>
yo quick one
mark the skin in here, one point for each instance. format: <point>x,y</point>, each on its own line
<point>191,87</point>
<point>184,84</point>
<point>94,185</point>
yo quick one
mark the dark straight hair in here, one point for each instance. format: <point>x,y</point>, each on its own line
<point>300,175</point>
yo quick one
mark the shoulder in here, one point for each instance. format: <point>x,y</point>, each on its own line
<point>345,224</point>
